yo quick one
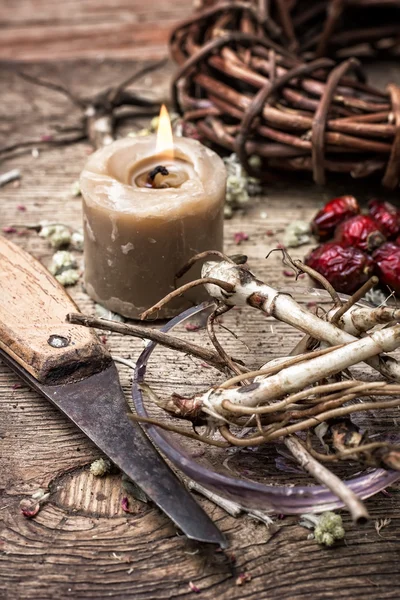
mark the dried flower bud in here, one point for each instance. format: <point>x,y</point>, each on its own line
<point>100,467</point>
<point>296,234</point>
<point>64,267</point>
<point>57,235</point>
<point>329,529</point>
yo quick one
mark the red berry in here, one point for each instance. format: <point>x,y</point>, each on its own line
<point>360,231</point>
<point>386,216</point>
<point>387,265</point>
<point>334,212</point>
<point>345,267</point>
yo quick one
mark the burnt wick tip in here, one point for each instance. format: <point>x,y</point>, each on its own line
<point>159,169</point>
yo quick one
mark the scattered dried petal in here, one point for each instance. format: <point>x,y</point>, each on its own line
<point>193,587</point>
<point>192,327</point>
<point>240,237</point>
<point>288,273</point>
<point>21,207</point>
<point>29,507</point>
<point>243,578</point>
<point>9,229</point>
<point>125,505</point>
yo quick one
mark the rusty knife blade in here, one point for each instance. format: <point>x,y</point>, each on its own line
<point>98,407</point>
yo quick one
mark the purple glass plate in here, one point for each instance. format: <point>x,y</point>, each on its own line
<point>285,499</point>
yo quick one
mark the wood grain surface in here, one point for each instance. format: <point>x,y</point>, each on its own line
<point>82,544</point>
<point>35,30</point>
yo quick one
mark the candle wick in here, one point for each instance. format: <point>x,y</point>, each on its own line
<point>159,169</point>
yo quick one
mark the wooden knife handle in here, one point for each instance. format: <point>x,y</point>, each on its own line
<point>33,329</point>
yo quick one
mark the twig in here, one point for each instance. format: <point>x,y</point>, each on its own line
<point>50,85</point>
<point>350,453</point>
<point>356,508</point>
<point>227,287</point>
<point>220,310</point>
<point>332,414</point>
<point>321,279</point>
<point>150,334</point>
<point>368,285</point>
<point>99,112</point>
<point>206,254</point>
<point>168,427</point>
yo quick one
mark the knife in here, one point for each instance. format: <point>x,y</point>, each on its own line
<point>68,365</point>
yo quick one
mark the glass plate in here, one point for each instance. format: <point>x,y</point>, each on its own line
<point>264,477</point>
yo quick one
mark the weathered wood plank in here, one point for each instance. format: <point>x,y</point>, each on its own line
<point>51,31</point>
<point>82,544</point>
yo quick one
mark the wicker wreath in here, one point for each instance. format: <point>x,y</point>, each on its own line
<point>246,93</point>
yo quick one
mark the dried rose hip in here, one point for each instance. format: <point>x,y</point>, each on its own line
<point>334,212</point>
<point>387,265</point>
<point>386,216</point>
<point>345,267</point>
<point>360,231</point>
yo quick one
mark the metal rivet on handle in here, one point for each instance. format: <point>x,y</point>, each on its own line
<point>58,341</point>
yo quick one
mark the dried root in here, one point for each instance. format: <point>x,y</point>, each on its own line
<point>295,394</point>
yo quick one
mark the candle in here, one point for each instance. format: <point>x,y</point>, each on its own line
<point>147,209</point>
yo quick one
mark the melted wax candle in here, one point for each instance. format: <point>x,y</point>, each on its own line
<point>145,214</point>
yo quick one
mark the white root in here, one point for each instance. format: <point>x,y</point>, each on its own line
<point>250,291</point>
<point>299,376</point>
<point>359,319</point>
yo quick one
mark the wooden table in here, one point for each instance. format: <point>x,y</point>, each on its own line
<point>82,544</point>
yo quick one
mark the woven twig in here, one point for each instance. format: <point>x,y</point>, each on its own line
<point>245,93</point>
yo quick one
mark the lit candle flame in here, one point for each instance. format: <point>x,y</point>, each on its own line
<point>165,142</point>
